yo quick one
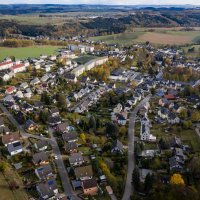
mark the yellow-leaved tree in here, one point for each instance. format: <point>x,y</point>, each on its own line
<point>176,179</point>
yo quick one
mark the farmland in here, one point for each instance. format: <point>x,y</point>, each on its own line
<point>25,52</point>
<point>157,36</point>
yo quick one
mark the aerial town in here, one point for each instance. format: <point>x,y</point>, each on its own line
<point>78,129</point>
<point>100,121</point>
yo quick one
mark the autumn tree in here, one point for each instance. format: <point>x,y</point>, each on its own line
<point>176,179</point>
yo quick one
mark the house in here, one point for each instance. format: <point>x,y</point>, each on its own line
<point>76,159</point>
<point>170,97</point>
<point>121,118</point>
<point>8,99</point>
<point>176,142</point>
<point>163,102</point>
<point>19,94</point>
<point>117,74</point>
<point>71,147</point>
<point>70,77</point>
<point>70,137</point>
<point>38,105</point>
<point>14,148</point>
<point>40,158</point>
<point>47,68</point>
<point>28,93</point>
<point>53,121</point>
<point>90,187</point>
<point>24,85</point>
<point>62,127</point>
<point>30,125</point>
<point>52,57</point>
<point>173,119</point>
<point>18,68</point>
<point>35,81</point>
<point>44,171</point>
<point>45,78</point>
<point>48,189</point>
<point>10,90</point>
<point>27,107</point>
<point>118,108</point>
<point>6,75</point>
<point>41,145</point>
<point>176,163</point>
<point>7,64</point>
<point>145,130</point>
<point>54,112</point>
<point>144,173</point>
<point>83,173</point>
<point>10,138</point>
<point>117,146</point>
<point>163,113</point>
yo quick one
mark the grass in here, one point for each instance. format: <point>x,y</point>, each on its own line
<point>6,193</point>
<point>25,52</point>
<point>158,36</point>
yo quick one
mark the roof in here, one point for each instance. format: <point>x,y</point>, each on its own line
<point>12,137</point>
<point>18,66</point>
<point>41,143</point>
<point>40,157</point>
<point>62,127</point>
<point>117,144</point>
<point>44,171</point>
<point>47,188</point>
<point>14,146</point>
<point>71,146</point>
<point>69,136</point>
<point>29,123</point>
<point>76,157</point>
<point>5,63</point>
<point>85,171</point>
<point>89,183</point>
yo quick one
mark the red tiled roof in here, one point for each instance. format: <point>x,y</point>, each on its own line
<point>10,89</point>
<point>169,96</point>
<point>18,66</point>
<point>5,63</point>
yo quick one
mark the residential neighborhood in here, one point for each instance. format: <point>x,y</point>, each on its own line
<point>82,131</point>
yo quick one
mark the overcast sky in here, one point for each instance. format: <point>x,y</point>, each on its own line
<point>115,2</point>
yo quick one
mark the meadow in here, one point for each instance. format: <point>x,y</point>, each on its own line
<point>155,36</point>
<point>25,52</point>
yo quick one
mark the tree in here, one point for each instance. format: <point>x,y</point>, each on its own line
<point>45,98</point>
<point>43,116</point>
<point>61,101</point>
<point>176,179</point>
<point>112,130</point>
<point>136,178</point>
<point>195,117</point>
<point>183,113</point>
<point>187,124</point>
<point>3,166</point>
<point>148,182</point>
<point>82,137</point>
<point>92,123</point>
<point>155,164</point>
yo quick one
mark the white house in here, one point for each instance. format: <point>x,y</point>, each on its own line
<point>6,64</point>
<point>18,68</point>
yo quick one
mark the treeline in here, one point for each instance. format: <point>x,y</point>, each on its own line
<point>26,43</point>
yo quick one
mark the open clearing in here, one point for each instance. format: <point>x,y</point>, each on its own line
<point>25,52</point>
<point>158,36</point>
<point>6,193</point>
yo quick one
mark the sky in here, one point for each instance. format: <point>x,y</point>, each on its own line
<point>106,2</point>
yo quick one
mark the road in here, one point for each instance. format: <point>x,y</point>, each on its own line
<point>59,161</point>
<point>131,160</point>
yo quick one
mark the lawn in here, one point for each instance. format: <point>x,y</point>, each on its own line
<point>158,36</point>
<point>25,52</point>
<point>6,193</point>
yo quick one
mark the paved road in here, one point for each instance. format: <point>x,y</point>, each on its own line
<point>131,161</point>
<point>59,161</point>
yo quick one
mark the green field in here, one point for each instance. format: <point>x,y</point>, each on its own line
<point>158,36</point>
<point>25,52</point>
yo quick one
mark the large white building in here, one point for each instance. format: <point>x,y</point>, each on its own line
<point>7,64</point>
<point>81,48</point>
<point>89,65</point>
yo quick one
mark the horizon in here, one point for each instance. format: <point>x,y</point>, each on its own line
<point>104,2</point>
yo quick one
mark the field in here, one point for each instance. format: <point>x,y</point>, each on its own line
<point>6,193</point>
<point>25,52</point>
<point>195,53</point>
<point>157,36</point>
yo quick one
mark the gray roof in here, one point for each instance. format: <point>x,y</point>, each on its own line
<point>69,136</point>
<point>40,157</point>
<point>14,147</point>
<point>44,171</point>
<point>76,157</point>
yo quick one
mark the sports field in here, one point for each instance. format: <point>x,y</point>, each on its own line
<point>158,36</point>
<point>25,52</point>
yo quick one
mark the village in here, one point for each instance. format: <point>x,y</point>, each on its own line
<point>78,131</point>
